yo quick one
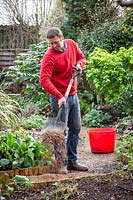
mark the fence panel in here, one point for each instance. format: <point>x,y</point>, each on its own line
<point>7,57</point>
<point>15,36</point>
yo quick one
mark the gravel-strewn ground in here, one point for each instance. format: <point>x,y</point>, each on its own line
<point>97,163</point>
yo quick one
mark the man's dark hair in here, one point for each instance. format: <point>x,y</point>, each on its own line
<point>54,31</point>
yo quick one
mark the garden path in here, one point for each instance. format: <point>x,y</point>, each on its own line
<point>97,163</point>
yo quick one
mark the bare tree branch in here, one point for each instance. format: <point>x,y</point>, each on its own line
<point>124,3</point>
<point>55,16</point>
<point>27,14</point>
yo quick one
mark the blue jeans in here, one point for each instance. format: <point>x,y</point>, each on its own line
<point>72,117</point>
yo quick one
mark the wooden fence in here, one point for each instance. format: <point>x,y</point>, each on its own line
<point>15,36</point>
<point>7,57</point>
<point>15,39</point>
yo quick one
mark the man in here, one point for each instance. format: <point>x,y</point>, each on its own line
<point>55,74</point>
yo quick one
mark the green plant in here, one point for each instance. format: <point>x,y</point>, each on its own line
<point>26,76</point>
<point>124,103</point>
<point>95,118</point>
<point>85,99</point>
<point>125,148</point>
<point>126,26</point>
<point>22,180</point>
<point>124,127</point>
<point>8,111</point>
<point>28,66</point>
<point>80,14</point>
<point>109,73</point>
<point>39,100</point>
<point>4,184</point>
<point>21,150</point>
<point>110,35</point>
<point>33,121</point>
<point>62,191</point>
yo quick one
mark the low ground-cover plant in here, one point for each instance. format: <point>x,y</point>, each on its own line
<point>125,152</point>
<point>22,181</point>
<point>125,127</point>
<point>32,122</point>
<point>8,185</point>
<point>125,143</point>
<point>20,150</point>
<point>95,118</point>
<point>40,99</point>
<point>62,191</point>
<point>4,185</point>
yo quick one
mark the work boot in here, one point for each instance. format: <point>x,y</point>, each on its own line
<point>63,170</point>
<point>76,166</point>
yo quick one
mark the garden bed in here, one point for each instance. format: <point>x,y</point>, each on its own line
<point>115,185</point>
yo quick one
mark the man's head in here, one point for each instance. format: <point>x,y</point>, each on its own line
<point>55,38</point>
<point>54,31</point>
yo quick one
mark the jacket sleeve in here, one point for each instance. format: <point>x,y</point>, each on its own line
<point>46,71</point>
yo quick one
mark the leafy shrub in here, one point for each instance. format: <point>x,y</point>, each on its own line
<point>95,118</point>
<point>87,14</point>
<point>125,126</point>
<point>105,36</point>
<point>85,99</point>
<point>124,103</point>
<point>21,150</point>
<point>28,66</point>
<point>110,35</point>
<point>109,73</point>
<point>26,75</point>
<point>126,26</point>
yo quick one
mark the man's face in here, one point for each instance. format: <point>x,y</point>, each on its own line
<point>56,43</point>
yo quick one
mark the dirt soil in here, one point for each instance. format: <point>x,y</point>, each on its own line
<point>103,181</point>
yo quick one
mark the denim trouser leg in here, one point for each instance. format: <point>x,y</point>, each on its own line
<point>74,126</point>
<point>71,115</point>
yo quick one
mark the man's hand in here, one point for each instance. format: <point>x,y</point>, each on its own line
<point>79,68</point>
<point>61,102</point>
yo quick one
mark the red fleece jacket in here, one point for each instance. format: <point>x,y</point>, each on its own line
<point>55,72</point>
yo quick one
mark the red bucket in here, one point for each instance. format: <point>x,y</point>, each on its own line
<point>102,140</point>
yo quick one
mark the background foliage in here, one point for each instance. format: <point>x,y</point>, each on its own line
<point>21,150</point>
<point>26,75</point>
<point>109,73</point>
<point>90,13</point>
<point>110,35</point>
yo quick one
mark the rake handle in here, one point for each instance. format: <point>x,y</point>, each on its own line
<point>68,91</point>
